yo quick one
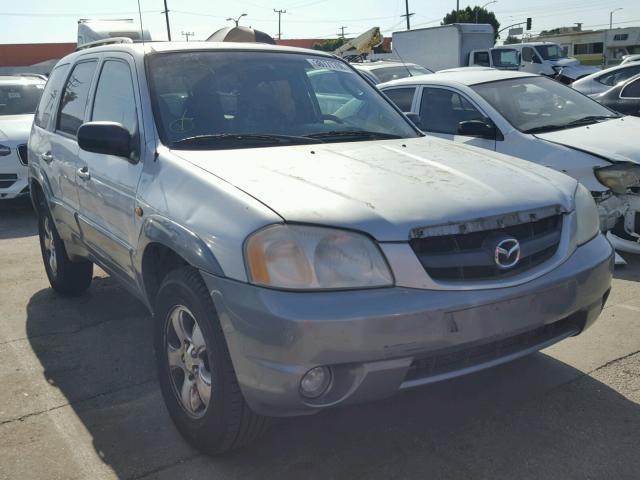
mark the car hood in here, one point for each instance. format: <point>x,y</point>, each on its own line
<point>386,188</point>
<point>572,68</point>
<point>15,128</point>
<point>613,139</point>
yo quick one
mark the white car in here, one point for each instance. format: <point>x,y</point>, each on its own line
<point>549,59</point>
<point>630,58</point>
<point>604,80</point>
<point>540,120</point>
<point>19,97</point>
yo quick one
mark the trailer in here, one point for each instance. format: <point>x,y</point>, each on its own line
<point>90,30</point>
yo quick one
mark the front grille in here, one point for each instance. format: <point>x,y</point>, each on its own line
<point>7,179</point>
<point>470,256</point>
<point>22,154</point>
<point>459,358</point>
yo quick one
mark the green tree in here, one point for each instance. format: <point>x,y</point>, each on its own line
<point>468,15</point>
<point>511,40</point>
<point>329,45</point>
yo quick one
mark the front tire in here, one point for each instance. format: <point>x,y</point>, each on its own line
<point>195,372</point>
<point>65,276</point>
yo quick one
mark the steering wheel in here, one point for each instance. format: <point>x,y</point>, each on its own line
<point>333,118</point>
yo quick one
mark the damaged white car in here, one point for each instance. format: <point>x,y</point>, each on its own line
<point>540,120</point>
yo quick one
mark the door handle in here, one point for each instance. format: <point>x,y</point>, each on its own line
<point>47,157</point>
<point>84,174</point>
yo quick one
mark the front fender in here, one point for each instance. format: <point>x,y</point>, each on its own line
<point>188,245</point>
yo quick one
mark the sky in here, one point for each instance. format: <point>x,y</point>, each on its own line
<point>40,21</point>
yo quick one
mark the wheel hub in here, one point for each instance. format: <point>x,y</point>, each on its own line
<point>188,361</point>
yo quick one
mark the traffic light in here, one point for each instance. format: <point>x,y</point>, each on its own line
<point>529,23</point>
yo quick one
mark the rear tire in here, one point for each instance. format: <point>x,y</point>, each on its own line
<point>70,278</point>
<point>195,372</point>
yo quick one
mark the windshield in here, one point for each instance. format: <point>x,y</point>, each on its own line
<point>230,99</point>
<point>387,74</point>
<point>535,104</point>
<point>20,99</point>
<point>550,52</point>
<point>503,58</point>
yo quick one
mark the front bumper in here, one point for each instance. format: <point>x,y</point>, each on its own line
<point>13,177</point>
<point>380,341</point>
<point>620,216</point>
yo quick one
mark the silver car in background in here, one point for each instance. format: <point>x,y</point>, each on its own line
<point>600,82</point>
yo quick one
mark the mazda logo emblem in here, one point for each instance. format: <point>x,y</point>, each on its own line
<point>507,253</point>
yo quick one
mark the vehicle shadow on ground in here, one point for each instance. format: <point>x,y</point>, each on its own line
<point>510,422</point>
<point>17,219</point>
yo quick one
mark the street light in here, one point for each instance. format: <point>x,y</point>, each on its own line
<point>611,16</point>
<point>608,33</point>
<point>483,6</point>
<point>236,19</point>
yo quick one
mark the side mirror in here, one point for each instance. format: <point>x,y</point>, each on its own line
<point>477,128</point>
<point>414,117</point>
<point>108,138</point>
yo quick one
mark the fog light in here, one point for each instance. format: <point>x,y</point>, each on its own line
<point>315,382</point>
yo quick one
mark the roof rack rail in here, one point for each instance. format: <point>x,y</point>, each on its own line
<point>36,75</point>
<point>104,41</point>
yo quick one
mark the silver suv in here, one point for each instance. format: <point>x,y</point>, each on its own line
<point>298,249</point>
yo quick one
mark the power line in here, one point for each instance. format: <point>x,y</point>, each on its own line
<point>341,34</point>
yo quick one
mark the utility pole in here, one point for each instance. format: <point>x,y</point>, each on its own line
<point>187,35</point>
<point>279,12</point>
<point>407,14</point>
<point>341,34</point>
<point>457,9</point>
<point>166,16</point>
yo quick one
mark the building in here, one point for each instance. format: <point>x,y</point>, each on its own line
<point>32,57</point>
<point>593,46</point>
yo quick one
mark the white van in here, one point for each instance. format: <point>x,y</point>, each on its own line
<point>550,60</point>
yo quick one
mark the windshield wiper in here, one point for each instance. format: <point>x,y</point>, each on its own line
<point>588,120</point>
<point>354,134</point>
<point>226,140</point>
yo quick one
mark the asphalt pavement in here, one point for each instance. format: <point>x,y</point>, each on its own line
<point>79,399</point>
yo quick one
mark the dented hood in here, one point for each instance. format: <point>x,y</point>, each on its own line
<point>613,140</point>
<point>386,188</point>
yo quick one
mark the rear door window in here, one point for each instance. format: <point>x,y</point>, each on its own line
<point>49,99</point>
<point>402,97</point>
<point>74,97</point>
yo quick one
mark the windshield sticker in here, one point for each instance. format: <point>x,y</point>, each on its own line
<point>328,64</point>
<point>14,95</point>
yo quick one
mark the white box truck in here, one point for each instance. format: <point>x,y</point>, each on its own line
<point>452,46</point>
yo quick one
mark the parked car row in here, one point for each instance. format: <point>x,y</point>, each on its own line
<point>302,244</point>
<point>539,120</point>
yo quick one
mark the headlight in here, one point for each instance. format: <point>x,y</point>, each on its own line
<point>4,150</point>
<point>587,215</point>
<point>301,257</point>
<point>619,177</point>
